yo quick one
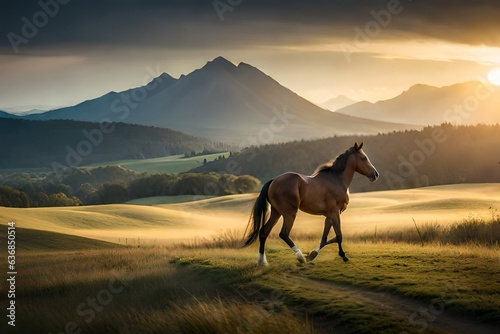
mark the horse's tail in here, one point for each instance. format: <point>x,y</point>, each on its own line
<point>258,216</point>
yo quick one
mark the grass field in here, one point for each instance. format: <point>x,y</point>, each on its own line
<point>180,280</point>
<point>156,200</point>
<point>169,164</point>
<point>154,222</point>
<point>385,288</point>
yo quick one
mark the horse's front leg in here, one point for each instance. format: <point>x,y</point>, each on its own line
<point>328,225</point>
<point>338,234</point>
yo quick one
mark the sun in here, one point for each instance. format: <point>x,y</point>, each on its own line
<point>494,76</point>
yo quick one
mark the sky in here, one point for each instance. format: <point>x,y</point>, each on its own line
<point>61,52</point>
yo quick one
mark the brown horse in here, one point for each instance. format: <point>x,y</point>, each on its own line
<point>326,193</point>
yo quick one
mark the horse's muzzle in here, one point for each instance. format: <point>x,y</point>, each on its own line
<point>374,176</point>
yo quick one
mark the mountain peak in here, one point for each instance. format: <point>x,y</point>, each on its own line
<point>163,80</point>
<point>337,103</point>
<point>166,76</point>
<point>220,62</point>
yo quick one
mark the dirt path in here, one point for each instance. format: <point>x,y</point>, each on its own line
<point>426,316</point>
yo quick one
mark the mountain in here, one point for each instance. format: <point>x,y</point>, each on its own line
<point>337,103</point>
<point>237,104</point>
<point>28,109</point>
<point>110,106</point>
<point>464,103</point>
<point>40,144</point>
<point>4,114</point>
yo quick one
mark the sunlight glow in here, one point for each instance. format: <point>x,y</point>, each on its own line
<point>494,76</point>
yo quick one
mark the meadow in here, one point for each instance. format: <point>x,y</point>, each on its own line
<point>178,268</point>
<point>169,164</point>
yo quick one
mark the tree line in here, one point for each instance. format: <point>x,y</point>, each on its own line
<point>39,144</point>
<point>113,184</point>
<point>445,154</point>
<point>435,155</point>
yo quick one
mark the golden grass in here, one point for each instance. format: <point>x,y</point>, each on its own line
<point>136,290</point>
<point>215,290</point>
<point>202,282</point>
<point>173,223</point>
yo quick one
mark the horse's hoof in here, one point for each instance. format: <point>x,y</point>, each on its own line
<point>302,259</point>
<point>311,256</point>
<point>345,259</point>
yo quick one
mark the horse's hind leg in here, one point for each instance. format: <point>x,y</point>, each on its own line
<point>288,221</point>
<point>264,233</point>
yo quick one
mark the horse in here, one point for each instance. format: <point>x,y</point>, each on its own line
<point>325,192</point>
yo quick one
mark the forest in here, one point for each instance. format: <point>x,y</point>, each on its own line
<point>62,143</point>
<point>113,184</point>
<point>437,155</point>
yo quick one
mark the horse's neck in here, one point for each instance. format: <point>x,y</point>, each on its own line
<point>348,173</point>
<point>346,177</point>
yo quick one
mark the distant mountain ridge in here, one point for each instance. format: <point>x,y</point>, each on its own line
<point>464,103</point>
<point>237,104</point>
<point>4,114</point>
<point>337,103</point>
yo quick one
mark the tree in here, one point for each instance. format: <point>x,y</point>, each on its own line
<point>42,199</point>
<point>246,184</point>
<point>86,193</point>
<point>60,199</point>
<point>112,193</point>
<point>14,198</point>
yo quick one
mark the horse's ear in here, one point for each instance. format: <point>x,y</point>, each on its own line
<point>358,147</point>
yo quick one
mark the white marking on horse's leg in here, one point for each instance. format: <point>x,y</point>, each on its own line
<point>299,255</point>
<point>262,259</point>
<point>313,254</point>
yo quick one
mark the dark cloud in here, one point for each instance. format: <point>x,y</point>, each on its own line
<point>196,23</point>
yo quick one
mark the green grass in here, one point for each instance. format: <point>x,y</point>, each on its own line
<point>465,279</point>
<point>169,164</point>
<point>144,290</point>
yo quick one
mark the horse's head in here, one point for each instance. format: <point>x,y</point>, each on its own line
<point>363,164</point>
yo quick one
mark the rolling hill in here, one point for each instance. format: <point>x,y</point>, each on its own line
<point>167,223</point>
<point>464,103</point>
<point>233,103</point>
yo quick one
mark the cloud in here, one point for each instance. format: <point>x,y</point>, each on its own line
<point>195,24</point>
<point>291,40</point>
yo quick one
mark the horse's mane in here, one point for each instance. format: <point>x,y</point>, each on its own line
<point>336,166</point>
